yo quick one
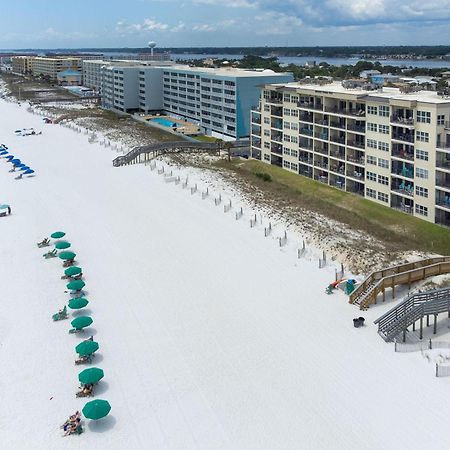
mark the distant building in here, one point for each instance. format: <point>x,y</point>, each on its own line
<point>368,73</point>
<point>22,64</point>
<point>384,78</point>
<point>69,77</point>
<point>50,67</point>
<point>445,74</point>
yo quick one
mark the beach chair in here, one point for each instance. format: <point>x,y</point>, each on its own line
<point>75,330</point>
<point>44,243</point>
<point>85,391</point>
<point>60,315</point>
<point>68,262</point>
<point>84,360</point>
<point>19,177</point>
<point>50,254</point>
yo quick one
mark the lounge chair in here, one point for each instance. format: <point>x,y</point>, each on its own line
<point>19,177</point>
<point>86,391</point>
<point>84,360</point>
<point>50,254</point>
<point>60,315</point>
<point>44,243</point>
<point>68,263</point>
<point>75,330</point>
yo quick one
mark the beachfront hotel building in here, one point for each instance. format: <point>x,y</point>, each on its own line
<point>218,100</point>
<point>22,64</point>
<point>50,67</point>
<point>387,146</point>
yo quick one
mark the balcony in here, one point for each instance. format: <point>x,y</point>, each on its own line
<point>306,159</point>
<point>402,187</point>
<point>322,178</point>
<point>402,121</point>
<point>443,146</point>
<point>338,139</point>
<point>273,100</point>
<point>306,144</point>
<point>443,199</point>
<point>276,111</point>
<point>276,123</point>
<point>403,169</point>
<point>346,111</point>
<point>310,105</point>
<point>337,182</point>
<point>256,154</point>
<point>442,218</point>
<point>323,164</point>
<point>443,163</point>
<point>340,125</point>
<point>305,171</point>
<point>321,149</point>
<point>337,168</point>
<point>403,152</point>
<point>277,137</point>
<point>306,131</point>
<point>321,122</point>
<point>276,148</point>
<point>256,120</point>
<point>443,180</point>
<point>402,204</point>
<point>322,135</point>
<point>337,155</point>
<point>256,131</point>
<point>357,128</point>
<point>357,174</point>
<point>306,118</point>
<point>355,187</point>
<point>276,160</point>
<point>355,159</point>
<point>404,137</point>
<point>357,144</point>
<point>256,142</point>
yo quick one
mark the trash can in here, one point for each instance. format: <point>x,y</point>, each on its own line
<point>356,323</point>
<point>361,321</point>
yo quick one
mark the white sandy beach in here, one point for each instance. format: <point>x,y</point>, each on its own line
<point>211,336</point>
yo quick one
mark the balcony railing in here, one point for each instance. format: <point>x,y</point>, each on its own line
<point>403,172</point>
<point>256,120</point>
<point>355,174</point>
<point>306,118</point>
<point>407,190</point>
<point>277,149</point>
<point>321,164</point>
<point>338,139</point>
<point>407,121</point>
<point>277,137</point>
<point>337,169</point>
<point>346,111</point>
<point>403,155</point>
<point>403,137</point>
<point>356,160</point>
<point>323,136</point>
<point>356,144</point>
<point>443,146</point>
<point>305,145</point>
<point>321,178</point>
<point>276,101</point>
<point>316,107</point>
<point>443,164</point>
<point>337,125</point>
<point>443,182</point>
<point>338,184</point>
<point>338,155</point>
<point>306,131</point>
<point>322,150</point>
<point>305,159</point>
<point>322,123</point>
<point>356,128</point>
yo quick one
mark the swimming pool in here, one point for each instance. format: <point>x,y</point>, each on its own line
<point>164,122</point>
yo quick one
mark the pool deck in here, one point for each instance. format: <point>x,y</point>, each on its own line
<point>183,126</point>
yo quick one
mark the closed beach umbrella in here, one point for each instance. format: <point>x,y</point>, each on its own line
<point>16,161</point>
<point>57,234</point>
<point>67,255</point>
<point>86,348</point>
<point>24,167</point>
<point>91,376</point>
<point>72,271</point>
<point>96,409</point>
<point>20,166</point>
<point>10,157</point>
<point>78,303</point>
<point>3,152</point>
<point>81,322</point>
<point>28,172</point>
<point>62,245</point>
<point>76,285</point>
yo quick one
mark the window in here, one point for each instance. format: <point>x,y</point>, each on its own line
<point>287,164</point>
<point>423,116</point>
<point>421,191</point>
<point>266,157</point>
<point>372,110</point>
<point>422,154</point>
<point>422,136</point>
<point>287,97</point>
<point>294,153</point>
<point>371,176</point>
<point>371,143</point>
<point>372,127</point>
<point>422,210</point>
<point>383,129</point>
<point>267,120</point>
<point>286,151</point>
<point>383,180</point>
<point>294,139</point>
<point>286,111</point>
<point>266,144</point>
<point>383,146</point>
<point>266,108</point>
<point>287,125</point>
<point>383,111</point>
<point>384,163</point>
<point>421,173</point>
<point>441,120</point>
<point>266,132</point>
<point>294,126</point>
<point>294,98</point>
<point>294,112</point>
<point>371,160</point>
<point>294,167</point>
<point>383,197</point>
<point>371,193</point>
<point>286,138</point>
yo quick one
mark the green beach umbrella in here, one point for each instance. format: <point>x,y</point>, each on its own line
<point>81,322</point>
<point>78,303</point>
<point>96,409</point>
<point>91,375</point>
<point>62,245</point>
<point>67,255</point>
<point>72,271</point>
<point>76,285</point>
<point>57,234</point>
<point>86,348</point>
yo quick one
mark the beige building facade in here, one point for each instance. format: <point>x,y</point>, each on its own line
<point>387,146</point>
<point>22,64</point>
<point>50,67</point>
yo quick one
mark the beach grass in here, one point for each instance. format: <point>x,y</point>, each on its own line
<point>398,230</point>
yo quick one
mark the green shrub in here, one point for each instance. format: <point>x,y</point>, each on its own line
<point>263,176</point>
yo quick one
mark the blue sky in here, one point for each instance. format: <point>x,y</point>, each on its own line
<point>183,23</point>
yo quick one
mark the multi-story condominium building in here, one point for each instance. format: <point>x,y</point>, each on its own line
<point>50,67</point>
<point>218,100</point>
<point>22,64</point>
<point>388,146</point>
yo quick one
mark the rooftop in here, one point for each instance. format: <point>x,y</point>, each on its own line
<point>387,93</point>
